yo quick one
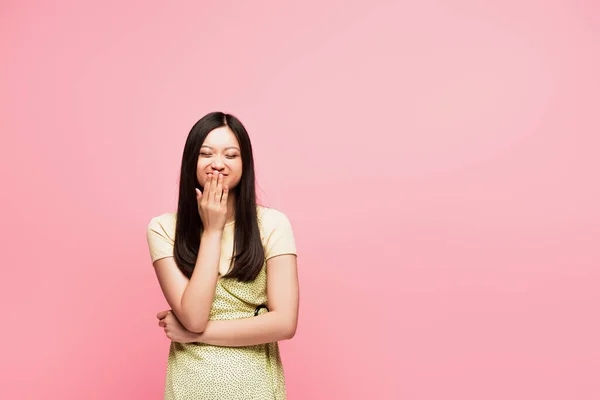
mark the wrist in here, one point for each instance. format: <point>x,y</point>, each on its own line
<point>215,233</point>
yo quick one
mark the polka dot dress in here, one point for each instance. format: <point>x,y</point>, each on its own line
<point>202,371</point>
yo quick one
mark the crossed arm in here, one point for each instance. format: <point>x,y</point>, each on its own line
<point>278,324</point>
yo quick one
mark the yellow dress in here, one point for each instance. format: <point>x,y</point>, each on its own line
<point>202,371</point>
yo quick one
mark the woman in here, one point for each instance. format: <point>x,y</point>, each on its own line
<point>227,268</point>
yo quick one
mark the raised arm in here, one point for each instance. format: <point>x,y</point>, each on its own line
<point>191,299</point>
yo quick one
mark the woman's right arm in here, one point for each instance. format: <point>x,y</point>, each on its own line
<point>191,299</point>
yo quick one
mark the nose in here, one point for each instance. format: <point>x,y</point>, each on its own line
<point>217,163</point>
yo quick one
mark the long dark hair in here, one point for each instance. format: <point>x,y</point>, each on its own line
<point>248,254</point>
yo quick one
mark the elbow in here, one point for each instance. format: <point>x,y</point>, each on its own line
<point>195,326</point>
<point>289,332</point>
<point>192,320</point>
<point>289,323</point>
<point>289,335</point>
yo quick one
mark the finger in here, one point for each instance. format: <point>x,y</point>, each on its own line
<point>207,185</point>
<point>206,189</point>
<point>162,314</point>
<point>198,194</point>
<point>213,187</point>
<point>219,191</point>
<point>225,195</point>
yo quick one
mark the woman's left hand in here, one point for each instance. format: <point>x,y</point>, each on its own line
<point>173,328</point>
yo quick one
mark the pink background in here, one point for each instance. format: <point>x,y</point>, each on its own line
<point>438,161</point>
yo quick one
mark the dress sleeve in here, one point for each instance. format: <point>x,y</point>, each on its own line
<point>159,242</point>
<point>281,238</point>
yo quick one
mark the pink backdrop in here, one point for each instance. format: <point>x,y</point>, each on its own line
<point>438,161</point>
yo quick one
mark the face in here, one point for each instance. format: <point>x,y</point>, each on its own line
<point>220,153</point>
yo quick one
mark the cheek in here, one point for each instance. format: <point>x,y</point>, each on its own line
<point>237,167</point>
<point>202,164</point>
<point>201,168</point>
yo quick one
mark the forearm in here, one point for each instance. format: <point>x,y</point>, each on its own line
<point>198,296</point>
<point>264,328</point>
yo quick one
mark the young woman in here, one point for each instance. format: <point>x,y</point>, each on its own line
<point>227,268</point>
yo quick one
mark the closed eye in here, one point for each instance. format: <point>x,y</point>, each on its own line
<point>208,155</point>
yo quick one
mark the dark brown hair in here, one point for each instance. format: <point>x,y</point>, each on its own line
<point>248,254</point>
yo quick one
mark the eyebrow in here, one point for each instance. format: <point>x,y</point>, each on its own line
<point>226,148</point>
